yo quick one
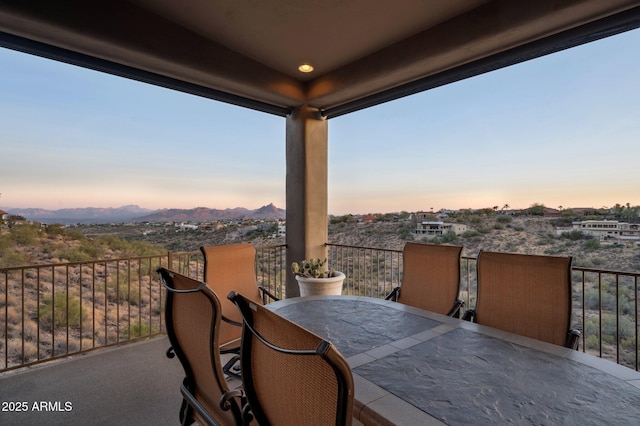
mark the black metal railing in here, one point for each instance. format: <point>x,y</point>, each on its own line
<point>56,310</point>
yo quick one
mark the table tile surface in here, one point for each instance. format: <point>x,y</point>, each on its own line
<point>416,367</point>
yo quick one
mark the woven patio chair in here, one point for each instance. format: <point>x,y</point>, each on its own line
<point>529,295</point>
<point>232,268</point>
<point>192,316</point>
<point>290,375</point>
<point>430,278</point>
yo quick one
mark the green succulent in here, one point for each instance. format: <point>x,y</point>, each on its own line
<point>311,268</point>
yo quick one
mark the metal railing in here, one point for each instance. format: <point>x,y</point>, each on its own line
<point>605,302</point>
<point>56,310</point>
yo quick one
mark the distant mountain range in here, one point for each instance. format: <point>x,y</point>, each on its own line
<point>132,213</point>
<point>203,214</point>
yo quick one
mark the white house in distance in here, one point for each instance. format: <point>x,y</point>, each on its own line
<point>432,229</point>
<point>604,229</point>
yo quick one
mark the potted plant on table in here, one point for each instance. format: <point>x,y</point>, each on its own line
<point>315,280</point>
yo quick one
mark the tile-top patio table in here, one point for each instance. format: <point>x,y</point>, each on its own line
<point>416,367</point>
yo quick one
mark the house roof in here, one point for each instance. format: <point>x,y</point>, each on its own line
<point>364,51</point>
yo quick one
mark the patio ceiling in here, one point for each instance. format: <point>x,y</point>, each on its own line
<point>364,52</point>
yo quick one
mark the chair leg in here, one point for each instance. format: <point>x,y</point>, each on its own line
<point>231,368</point>
<point>186,411</point>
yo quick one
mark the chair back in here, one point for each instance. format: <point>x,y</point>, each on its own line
<point>192,316</point>
<point>290,375</point>
<point>231,268</point>
<point>529,295</point>
<point>430,277</point>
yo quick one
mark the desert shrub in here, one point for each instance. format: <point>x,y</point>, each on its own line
<point>536,209</point>
<point>85,251</point>
<point>76,235</point>
<point>592,342</point>
<point>591,244</point>
<point>9,258</point>
<point>405,232</point>
<point>504,219</point>
<point>14,315</point>
<point>137,330</point>
<point>512,247</point>
<point>625,302</point>
<point>565,221</point>
<point>141,248</point>
<point>470,234</point>
<point>54,311</point>
<point>26,234</point>
<point>596,261</point>
<point>5,241</point>
<point>448,238</point>
<point>582,262</point>
<point>118,290</point>
<point>348,218</point>
<point>82,253</point>
<point>574,235</point>
<point>30,351</point>
<point>112,242</point>
<point>626,329</point>
<point>61,230</point>
<point>544,240</point>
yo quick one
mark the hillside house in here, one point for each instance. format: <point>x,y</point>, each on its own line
<point>281,230</point>
<point>186,226</point>
<point>606,229</point>
<point>432,229</point>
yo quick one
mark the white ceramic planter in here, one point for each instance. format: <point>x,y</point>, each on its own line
<point>331,286</point>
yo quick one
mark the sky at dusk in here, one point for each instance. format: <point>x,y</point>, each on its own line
<point>562,130</point>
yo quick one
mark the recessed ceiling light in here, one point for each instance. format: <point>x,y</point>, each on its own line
<point>305,68</point>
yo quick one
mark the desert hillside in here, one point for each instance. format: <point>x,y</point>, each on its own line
<point>525,234</point>
<point>519,234</point>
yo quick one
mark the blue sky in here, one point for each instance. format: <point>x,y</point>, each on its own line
<point>560,130</point>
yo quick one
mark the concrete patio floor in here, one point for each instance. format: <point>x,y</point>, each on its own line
<point>134,384</point>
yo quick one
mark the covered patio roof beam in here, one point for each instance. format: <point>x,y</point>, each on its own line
<point>43,50</point>
<point>616,24</point>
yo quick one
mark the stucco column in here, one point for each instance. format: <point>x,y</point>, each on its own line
<point>307,170</point>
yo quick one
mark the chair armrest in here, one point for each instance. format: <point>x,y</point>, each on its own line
<point>264,292</point>
<point>230,321</point>
<point>393,295</point>
<point>456,310</point>
<point>573,339</point>
<point>469,315</point>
